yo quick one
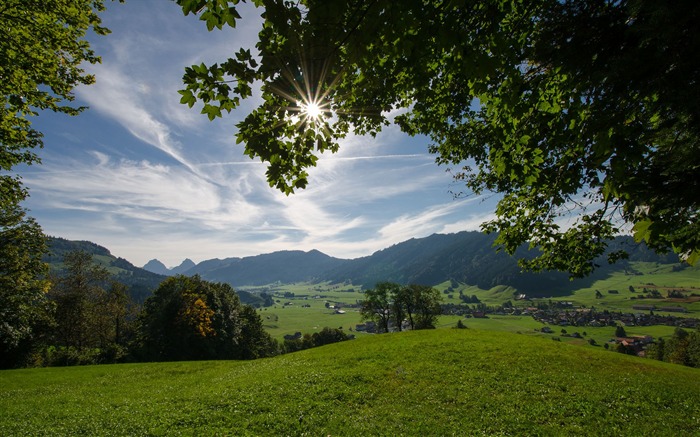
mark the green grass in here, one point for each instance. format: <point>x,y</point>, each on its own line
<point>442,382</point>
<point>661,276</point>
<point>308,314</point>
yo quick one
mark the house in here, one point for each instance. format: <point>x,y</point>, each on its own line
<point>673,309</point>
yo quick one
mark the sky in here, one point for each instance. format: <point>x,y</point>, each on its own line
<point>148,177</point>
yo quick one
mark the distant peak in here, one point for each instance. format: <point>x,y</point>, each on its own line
<point>183,267</point>
<point>155,266</point>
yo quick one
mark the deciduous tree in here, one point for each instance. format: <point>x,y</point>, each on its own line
<point>426,301</point>
<point>392,302</point>
<point>24,308</point>
<point>377,305</point>
<point>583,114</point>
<point>188,318</point>
<point>42,54</point>
<point>91,310</point>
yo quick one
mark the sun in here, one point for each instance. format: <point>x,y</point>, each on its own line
<point>312,110</point>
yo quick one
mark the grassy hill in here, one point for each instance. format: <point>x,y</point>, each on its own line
<point>443,382</point>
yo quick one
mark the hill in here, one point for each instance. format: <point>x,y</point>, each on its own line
<point>283,266</point>
<point>140,282</point>
<point>466,257</point>
<point>441,382</point>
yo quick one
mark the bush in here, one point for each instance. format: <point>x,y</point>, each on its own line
<point>70,356</point>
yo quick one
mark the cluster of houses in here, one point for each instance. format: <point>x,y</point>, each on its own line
<point>590,317</point>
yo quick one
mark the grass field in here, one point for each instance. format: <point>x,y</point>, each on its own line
<point>441,382</point>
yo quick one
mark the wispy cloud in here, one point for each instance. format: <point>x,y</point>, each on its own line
<point>169,184</point>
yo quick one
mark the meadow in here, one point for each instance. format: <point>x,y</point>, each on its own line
<point>307,311</point>
<point>437,382</point>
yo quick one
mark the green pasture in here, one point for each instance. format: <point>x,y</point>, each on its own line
<point>438,382</point>
<point>643,275</point>
<point>306,311</point>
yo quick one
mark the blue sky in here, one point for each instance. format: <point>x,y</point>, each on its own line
<point>147,177</point>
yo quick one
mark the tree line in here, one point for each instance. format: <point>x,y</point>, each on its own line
<point>84,316</point>
<point>682,348</point>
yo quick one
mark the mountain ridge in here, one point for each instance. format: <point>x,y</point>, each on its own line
<point>467,257</point>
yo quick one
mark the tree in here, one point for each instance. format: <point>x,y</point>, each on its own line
<point>389,301</point>
<point>77,296</point>
<point>579,111</point>
<point>42,51</point>
<point>328,336</point>
<point>620,331</point>
<point>677,348</point>
<point>24,309</point>
<point>91,309</point>
<point>377,305</point>
<point>427,304</point>
<point>42,54</point>
<point>255,341</point>
<point>402,306</point>
<point>188,318</point>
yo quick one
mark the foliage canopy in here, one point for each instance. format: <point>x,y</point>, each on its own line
<point>585,111</point>
<point>188,318</point>
<point>389,305</point>
<point>42,52</point>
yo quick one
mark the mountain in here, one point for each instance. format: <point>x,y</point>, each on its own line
<point>470,258</point>
<point>283,266</point>
<point>156,266</point>
<point>467,257</point>
<point>140,282</point>
<point>186,265</point>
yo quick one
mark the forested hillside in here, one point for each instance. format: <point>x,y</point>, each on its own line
<point>470,257</point>
<point>467,257</point>
<point>283,266</point>
<point>140,282</point>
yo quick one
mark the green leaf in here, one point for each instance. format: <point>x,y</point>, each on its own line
<point>642,230</point>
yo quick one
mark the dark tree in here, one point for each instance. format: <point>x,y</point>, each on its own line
<point>80,298</point>
<point>42,55</point>
<point>620,331</point>
<point>24,309</point>
<point>188,318</point>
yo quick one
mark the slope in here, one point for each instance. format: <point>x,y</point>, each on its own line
<point>140,282</point>
<point>470,258</point>
<point>443,382</point>
<point>284,266</point>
